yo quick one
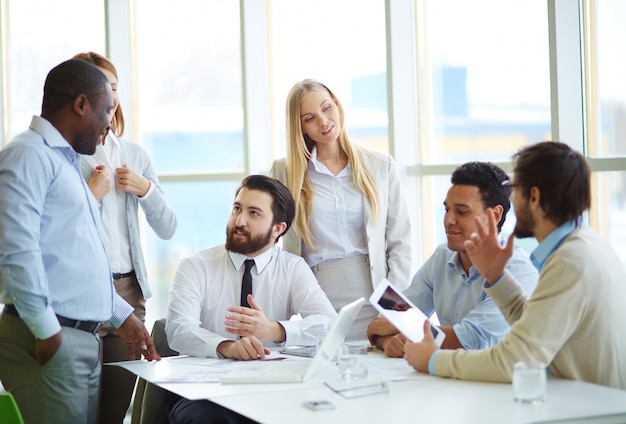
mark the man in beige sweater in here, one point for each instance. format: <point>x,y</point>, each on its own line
<point>575,320</point>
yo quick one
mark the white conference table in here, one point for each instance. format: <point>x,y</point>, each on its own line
<point>411,395</point>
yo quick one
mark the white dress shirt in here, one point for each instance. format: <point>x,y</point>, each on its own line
<point>336,221</point>
<point>207,283</point>
<point>154,205</point>
<point>388,244</point>
<point>114,226</point>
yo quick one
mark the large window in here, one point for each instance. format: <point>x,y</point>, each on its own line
<point>435,83</point>
<point>607,41</point>
<point>189,85</point>
<point>328,43</point>
<point>190,120</point>
<point>606,66</point>
<point>39,36</point>
<point>484,81</point>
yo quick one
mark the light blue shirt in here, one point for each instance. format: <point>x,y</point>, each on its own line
<point>52,257</point>
<point>539,257</point>
<point>542,252</point>
<point>441,285</point>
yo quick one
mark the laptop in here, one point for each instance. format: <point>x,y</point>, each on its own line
<point>297,371</point>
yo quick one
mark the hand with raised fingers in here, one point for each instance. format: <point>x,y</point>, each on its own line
<point>484,249</point>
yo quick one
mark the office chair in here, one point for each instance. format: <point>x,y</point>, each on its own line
<point>9,412</point>
<point>150,401</point>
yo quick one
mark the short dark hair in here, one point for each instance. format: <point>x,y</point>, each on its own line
<point>562,176</point>
<point>488,178</point>
<point>68,80</point>
<point>283,205</point>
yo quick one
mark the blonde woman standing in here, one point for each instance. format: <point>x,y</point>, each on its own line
<point>351,224</point>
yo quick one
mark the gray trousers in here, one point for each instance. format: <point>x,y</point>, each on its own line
<point>64,390</point>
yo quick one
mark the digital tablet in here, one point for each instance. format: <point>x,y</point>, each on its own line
<point>401,313</point>
<point>306,351</point>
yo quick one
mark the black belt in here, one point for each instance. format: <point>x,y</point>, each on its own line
<point>119,275</point>
<point>88,326</point>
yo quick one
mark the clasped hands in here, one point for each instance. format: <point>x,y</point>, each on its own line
<point>382,334</point>
<point>254,328</point>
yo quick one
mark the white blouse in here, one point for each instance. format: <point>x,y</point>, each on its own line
<point>337,220</point>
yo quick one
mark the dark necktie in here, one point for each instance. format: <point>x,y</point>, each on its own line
<point>246,282</point>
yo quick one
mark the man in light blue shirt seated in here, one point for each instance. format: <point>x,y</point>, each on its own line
<point>447,284</point>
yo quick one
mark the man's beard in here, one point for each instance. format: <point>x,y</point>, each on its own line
<point>249,245</point>
<point>524,224</point>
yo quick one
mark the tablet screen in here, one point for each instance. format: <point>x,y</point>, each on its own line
<point>405,316</point>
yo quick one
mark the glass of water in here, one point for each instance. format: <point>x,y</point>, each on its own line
<point>352,362</point>
<point>529,382</point>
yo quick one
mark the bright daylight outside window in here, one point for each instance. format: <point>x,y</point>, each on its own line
<point>608,114</point>
<point>484,90</point>
<point>191,123</point>
<point>32,53</point>
<point>307,42</point>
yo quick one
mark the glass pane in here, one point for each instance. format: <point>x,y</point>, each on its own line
<point>202,209</point>
<point>485,76</point>
<point>609,193</point>
<point>307,41</point>
<point>610,45</point>
<point>189,84</point>
<point>40,36</point>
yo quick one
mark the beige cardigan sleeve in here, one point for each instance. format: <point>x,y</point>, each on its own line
<point>569,322</point>
<point>292,242</point>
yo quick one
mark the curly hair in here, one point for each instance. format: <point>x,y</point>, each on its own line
<point>488,178</point>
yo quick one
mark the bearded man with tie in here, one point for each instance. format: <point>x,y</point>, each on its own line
<point>206,317</point>
<point>236,300</point>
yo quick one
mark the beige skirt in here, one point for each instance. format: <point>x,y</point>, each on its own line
<point>344,280</point>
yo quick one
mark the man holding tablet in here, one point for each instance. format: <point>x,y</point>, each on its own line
<point>575,319</point>
<point>447,284</point>
<point>401,313</point>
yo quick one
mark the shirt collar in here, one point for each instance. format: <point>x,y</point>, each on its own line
<point>542,252</point>
<point>455,261</point>
<point>319,167</point>
<point>261,261</point>
<point>53,138</point>
<point>111,140</point>
<point>112,150</point>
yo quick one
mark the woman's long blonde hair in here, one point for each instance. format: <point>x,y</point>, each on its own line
<point>117,123</point>
<point>299,148</point>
